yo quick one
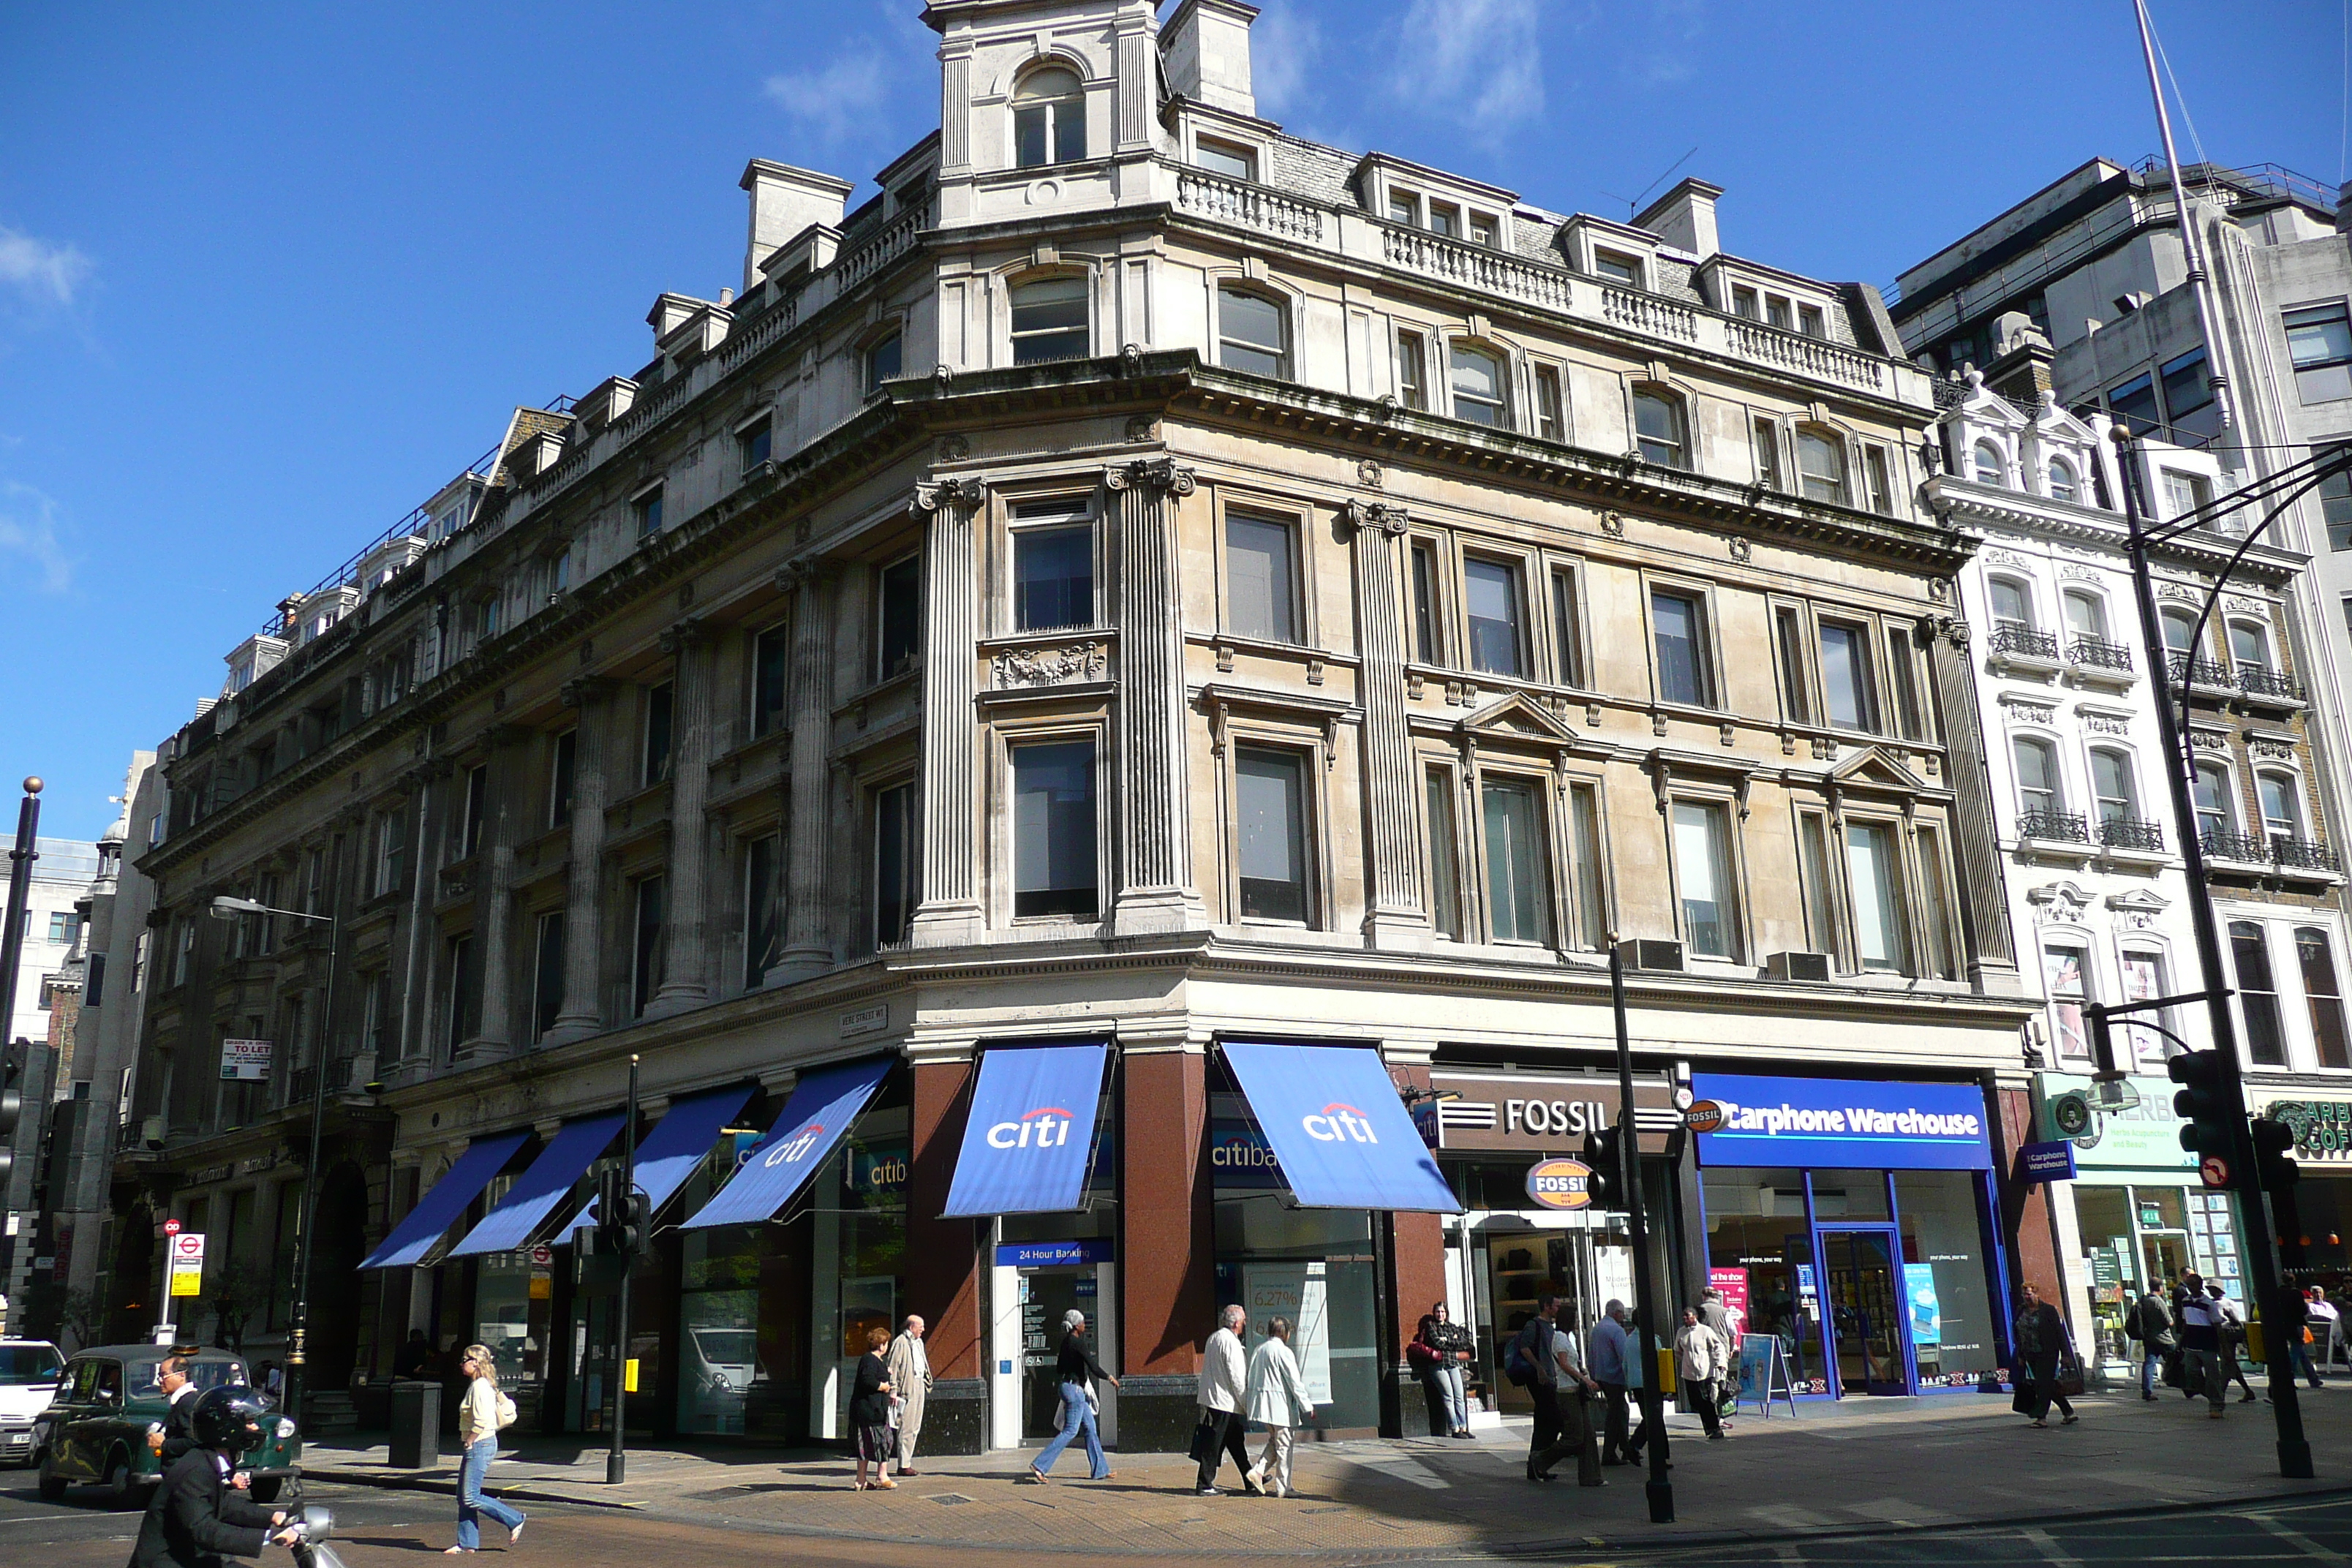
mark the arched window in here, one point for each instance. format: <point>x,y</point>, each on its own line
<point>2062,479</point>
<point>2086,615</point>
<point>1989,466</point>
<point>2250,649</point>
<point>1481,392</point>
<point>2011,607</point>
<point>1821,464</point>
<point>1049,119</point>
<point>1049,321</point>
<point>1658,428</point>
<point>2039,792</point>
<point>2215,820</point>
<point>2112,783</point>
<point>1252,333</point>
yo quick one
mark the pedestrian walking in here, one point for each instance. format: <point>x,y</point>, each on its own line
<point>481,1416</point>
<point>1076,1369</point>
<point>2200,1345</point>
<point>869,1412</point>
<point>1701,1358</point>
<point>2042,1344</point>
<point>2233,1339</point>
<point>1440,1352</point>
<point>1716,1315</point>
<point>1544,1359</point>
<point>909,1366</point>
<point>2149,1321</point>
<point>1222,1390</point>
<point>1612,1369</point>
<point>1276,1400</point>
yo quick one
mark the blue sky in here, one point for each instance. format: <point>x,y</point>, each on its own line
<point>270,273</point>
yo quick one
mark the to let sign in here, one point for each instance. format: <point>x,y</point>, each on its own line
<point>245,1061</point>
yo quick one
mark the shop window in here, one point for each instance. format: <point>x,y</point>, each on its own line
<point>1054,576</point>
<point>1049,119</point>
<point>1658,429</point>
<point>1481,392</point>
<point>1943,1238</point>
<point>547,974</point>
<point>1756,1235</point>
<point>2257,994</point>
<point>562,762</point>
<point>1049,321</point>
<point>1678,626</point>
<point>2319,340</point>
<point>898,616</point>
<point>1702,874</point>
<point>1491,592</point>
<point>771,654</point>
<point>1261,578</point>
<point>1880,939</point>
<point>2064,982</point>
<point>2315,955</point>
<point>1592,922</point>
<point>1054,860</point>
<point>1445,857</point>
<point>1425,645</point>
<point>1517,871</point>
<point>1821,895</point>
<point>894,864</point>
<point>763,930</point>
<point>1846,682</point>
<point>1270,818</point>
<point>645,948</point>
<point>659,712</point>
<point>1252,333</point>
<point>1566,630</point>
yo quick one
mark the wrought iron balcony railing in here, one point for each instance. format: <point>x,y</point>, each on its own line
<point>2054,826</point>
<point>2200,671</point>
<point>2255,680</point>
<point>2017,638</point>
<point>2304,854</point>
<point>2221,844</point>
<point>2096,654</point>
<point>2131,833</point>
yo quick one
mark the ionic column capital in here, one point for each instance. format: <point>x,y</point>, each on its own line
<point>1382,516</point>
<point>1154,476</point>
<point>960,491</point>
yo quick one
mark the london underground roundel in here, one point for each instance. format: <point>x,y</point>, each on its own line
<point>1561,1184</point>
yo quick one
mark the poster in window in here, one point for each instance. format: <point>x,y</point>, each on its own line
<point>1293,1290</point>
<point>1927,1312</point>
<point>2144,981</point>
<point>2062,972</point>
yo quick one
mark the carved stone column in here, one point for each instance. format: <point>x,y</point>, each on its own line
<point>949,913</point>
<point>1154,888</point>
<point>494,867</point>
<point>583,996</point>
<point>685,972</point>
<point>808,894</point>
<point>1984,907</point>
<point>1396,908</point>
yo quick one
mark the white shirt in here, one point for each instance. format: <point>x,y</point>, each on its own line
<point>1224,1371</point>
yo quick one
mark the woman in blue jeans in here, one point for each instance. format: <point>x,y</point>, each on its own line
<point>477,1434</point>
<point>1076,1371</point>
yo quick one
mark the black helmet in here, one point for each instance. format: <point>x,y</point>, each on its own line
<point>229,1420</point>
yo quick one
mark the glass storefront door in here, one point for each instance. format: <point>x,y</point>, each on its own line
<point>1866,1310</point>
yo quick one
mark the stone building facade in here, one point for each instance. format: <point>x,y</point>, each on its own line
<point>1148,582</point>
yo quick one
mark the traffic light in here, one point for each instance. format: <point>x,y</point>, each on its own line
<point>2205,1131</point>
<point>2274,1171</point>
<point>624,1215</point>
<point>1606,1184</point>
<point>11,1108</point>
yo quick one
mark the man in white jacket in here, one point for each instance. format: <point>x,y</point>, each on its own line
<point>1223,1394</point>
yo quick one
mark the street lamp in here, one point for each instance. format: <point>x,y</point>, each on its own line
<point>227,907</point>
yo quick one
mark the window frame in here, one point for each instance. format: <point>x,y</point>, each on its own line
<point>1513,575</point>
<point>1701,595</point>
<point>766,718</point>
<point>1899,894</point>
<point>1834,441</point>
<point>884,574</point>
<point>890,347</point>
<point>1872,716</point>
<point>1571,666</point>
<point>1014,740</point>
<point>563,776</point>
<point>1678,447</point>
<point>2233,933</point>
<point>909,815</point>
<point>646,510</point>
<point>1496,355</point>
<point>1017,336</point>
<point>1054,148</point>
<point>1279,304</point>
<point>648,940</point>
<point>1213,146</point>
<point>1499,775</point>
<point>1621,268</point>
<point>755,441</point>
<point>1294,605</point>
<point>1722,808</point>
<point>1450,895</point>
<point>1425,585</point>
<point>1764,443</point>
<point>2318,313</point>
<point>546,1002</point>
<point>763,932</point>
<point>1413,361</point>
<point>657,734</point>
<point>1550,402</point>
<point>1031,517</point>
<point>1301,755</point>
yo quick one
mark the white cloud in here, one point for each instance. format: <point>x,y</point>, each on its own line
<point>1285,50</point>
<point>45,273</point>
<point>1480,57</point>
<point>29,528</point>
<point>839,99</point>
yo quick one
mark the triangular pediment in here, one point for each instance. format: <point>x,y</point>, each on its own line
<point>1873,768</point>
<point>1520,717</point>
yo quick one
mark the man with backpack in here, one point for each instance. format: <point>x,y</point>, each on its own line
<point>2150,1322</point>
<point>1542,1360</point>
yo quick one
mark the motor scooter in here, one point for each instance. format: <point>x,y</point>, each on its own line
<point>310,1543</point>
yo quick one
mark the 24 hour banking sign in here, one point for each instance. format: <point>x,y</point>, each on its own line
<point>1843,1124</point>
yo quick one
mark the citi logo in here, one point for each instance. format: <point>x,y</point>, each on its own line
<point>1338,1123</point>
<point>795,1149</point>
<point>1047,1127</point>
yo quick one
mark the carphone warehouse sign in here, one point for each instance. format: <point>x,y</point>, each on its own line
<point>1843,1124</point>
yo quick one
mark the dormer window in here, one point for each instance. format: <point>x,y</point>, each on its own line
<point>1482,229</point>
<point>1618,267</point>
<point>2062,479</point>
<point>1225,158</point>
<point>1744,304</point>
<point>1776,312</point>
<point>1444,220</point>
<point>1810,321</point>
<point>1404,209</point>
<point>1987,458</point>
<point>1049,119</point>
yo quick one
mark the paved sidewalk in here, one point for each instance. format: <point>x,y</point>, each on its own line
<point>1861,1466</point>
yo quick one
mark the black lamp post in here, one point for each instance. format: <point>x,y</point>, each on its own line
<point>2279,491</point>
<point>1647,1309</point>
<point>297,1317</point>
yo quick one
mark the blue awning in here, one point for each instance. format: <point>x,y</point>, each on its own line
<point>823,1104</point>
<point>1339,1129</point>
<point>538,1189</point>
<point>412,1237</point>
<point>678,1142</point>
<point>1031,1129</point>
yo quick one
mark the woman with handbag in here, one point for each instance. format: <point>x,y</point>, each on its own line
<point>870,1401</point>
<point>485,1412</point>
<point>2042,1343</point>
<point>1439,1352</point>
<point>1075,1370</point>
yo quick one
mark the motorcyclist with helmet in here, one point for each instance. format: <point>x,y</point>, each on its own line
<point>196,1518</point>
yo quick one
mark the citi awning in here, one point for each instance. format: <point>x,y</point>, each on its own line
<point>413,1237</point>
<point>538,1189</point>
<point>823,1104</point>
<point>1031,1129</point>
<point>1337,1128</point>
<point>678,1142</point>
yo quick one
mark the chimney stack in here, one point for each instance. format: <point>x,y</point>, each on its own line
<point>1684,217</point>
<point>1206,47</point>
<point>785,202</point>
